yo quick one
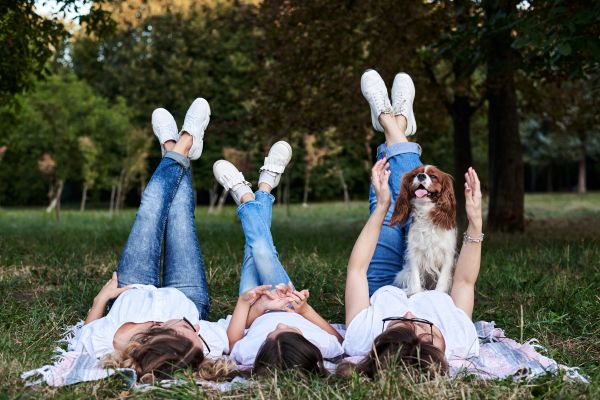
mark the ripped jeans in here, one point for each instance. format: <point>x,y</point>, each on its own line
<point>388,258</point>
<point>166,217</point>
<point>261,262</point>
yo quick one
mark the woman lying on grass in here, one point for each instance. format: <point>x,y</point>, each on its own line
<point>389,328</point>
<point>157,330</point>
<point>283,331</point>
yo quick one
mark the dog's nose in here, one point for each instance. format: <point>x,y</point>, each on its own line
<point>421,177</point>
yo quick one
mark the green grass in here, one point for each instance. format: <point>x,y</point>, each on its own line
<point>50,272</point>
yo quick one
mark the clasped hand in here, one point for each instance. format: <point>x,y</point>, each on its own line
<point>282,298</point>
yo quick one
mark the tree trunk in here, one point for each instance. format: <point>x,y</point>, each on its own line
<point>83,197</point>
<point>307,175</point>
<point>581,182</point>
<point>119,195</point>
<point>111,207</point>
<point>286,195</point>
<point>279,196</point>
<point>213,197</point>
<point>506,206</point>
<point>461,113</point>
<point>221,201</point>
<point>61,185</point>
<point>344,186</point>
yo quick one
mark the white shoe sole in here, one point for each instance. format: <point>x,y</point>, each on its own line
<point>411,122</point>
<point>220,169</point>
<point>289,149</point>
<point>198,144</point>
<point>374,118</point>
<point>164,127</point>
<point>270,174</point>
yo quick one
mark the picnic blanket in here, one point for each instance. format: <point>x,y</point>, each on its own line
<point>499,357</point>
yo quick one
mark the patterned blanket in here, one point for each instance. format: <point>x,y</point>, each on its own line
<point>499,358</point>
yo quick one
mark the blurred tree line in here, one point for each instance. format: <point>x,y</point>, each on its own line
<point>509,87</point>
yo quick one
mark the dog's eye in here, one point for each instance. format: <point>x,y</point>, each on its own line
<point>433,177</point>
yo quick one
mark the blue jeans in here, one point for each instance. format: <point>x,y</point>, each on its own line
<point>261,262</point>
<point>388,258</point>
<point>167,213</point>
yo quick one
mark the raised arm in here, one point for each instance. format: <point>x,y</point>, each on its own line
<point>237,325</point>
<point>357,286</point>
<point>469,260</point>
<point>109,291</point>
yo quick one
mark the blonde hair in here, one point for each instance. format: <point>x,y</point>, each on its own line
<point>158,352</point>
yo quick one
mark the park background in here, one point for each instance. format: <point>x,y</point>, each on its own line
<point>510,87</point>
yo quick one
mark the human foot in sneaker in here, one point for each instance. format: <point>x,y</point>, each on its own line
<point>374,90</point>
<point>403,95</point>
<point>164,127</point>
<point>231,179</point>
<point>279,157</point>
<point>196,121</point>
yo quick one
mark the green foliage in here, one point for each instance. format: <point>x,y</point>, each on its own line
<point>49,277</point>
<point>282,70</point>
<point>168,60</point>
<point>28,40</point>
<point>52,120</point>
<point>559,37</point>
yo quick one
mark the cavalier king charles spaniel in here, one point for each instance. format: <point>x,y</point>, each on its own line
<point>431,245</point>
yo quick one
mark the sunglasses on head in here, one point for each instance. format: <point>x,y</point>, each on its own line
<point>413,320</point>
<point>206,346</point>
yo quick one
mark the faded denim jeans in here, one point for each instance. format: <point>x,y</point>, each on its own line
<point>166,214</point>
<point>261,262</point>
<point>388,258</point>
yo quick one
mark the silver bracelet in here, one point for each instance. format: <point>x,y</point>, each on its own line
<point>470,239</point>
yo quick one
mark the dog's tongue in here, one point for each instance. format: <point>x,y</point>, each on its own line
<point>421,193</point>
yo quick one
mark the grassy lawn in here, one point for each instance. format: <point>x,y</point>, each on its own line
<point>50,272</point>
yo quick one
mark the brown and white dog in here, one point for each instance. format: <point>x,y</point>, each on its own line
<point>431,244</point>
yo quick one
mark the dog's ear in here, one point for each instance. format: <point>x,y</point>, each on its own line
<point>444,213</point>
<point>402,206</point>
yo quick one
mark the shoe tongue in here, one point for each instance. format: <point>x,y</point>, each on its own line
<point>421,193</point>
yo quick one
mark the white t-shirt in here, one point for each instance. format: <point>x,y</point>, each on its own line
<point>244,350</point>
<point>145,303</point>
<point>435,306</point>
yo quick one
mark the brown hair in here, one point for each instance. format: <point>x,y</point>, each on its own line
<point>400,346</point>
<point>287,351</point>
<point>158,352</point>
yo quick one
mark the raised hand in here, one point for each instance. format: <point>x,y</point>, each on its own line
<point>380,175</point>
<point>473,199</point>
<point>252,295</point>
<point>299,301</point>
<point>111,289</point>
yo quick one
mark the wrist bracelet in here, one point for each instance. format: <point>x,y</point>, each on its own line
<point>470,239</point>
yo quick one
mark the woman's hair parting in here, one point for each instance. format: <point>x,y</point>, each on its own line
<point>289,351</point>
<point>158,352</point>
<point>399,347</point>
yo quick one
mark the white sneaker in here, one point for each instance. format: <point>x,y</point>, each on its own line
<point>196,121</point>
<point>231,179</point>
<point>374,90</point>
<point>164,127</point>
<point>279,157</point>
<point>403,95</point>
